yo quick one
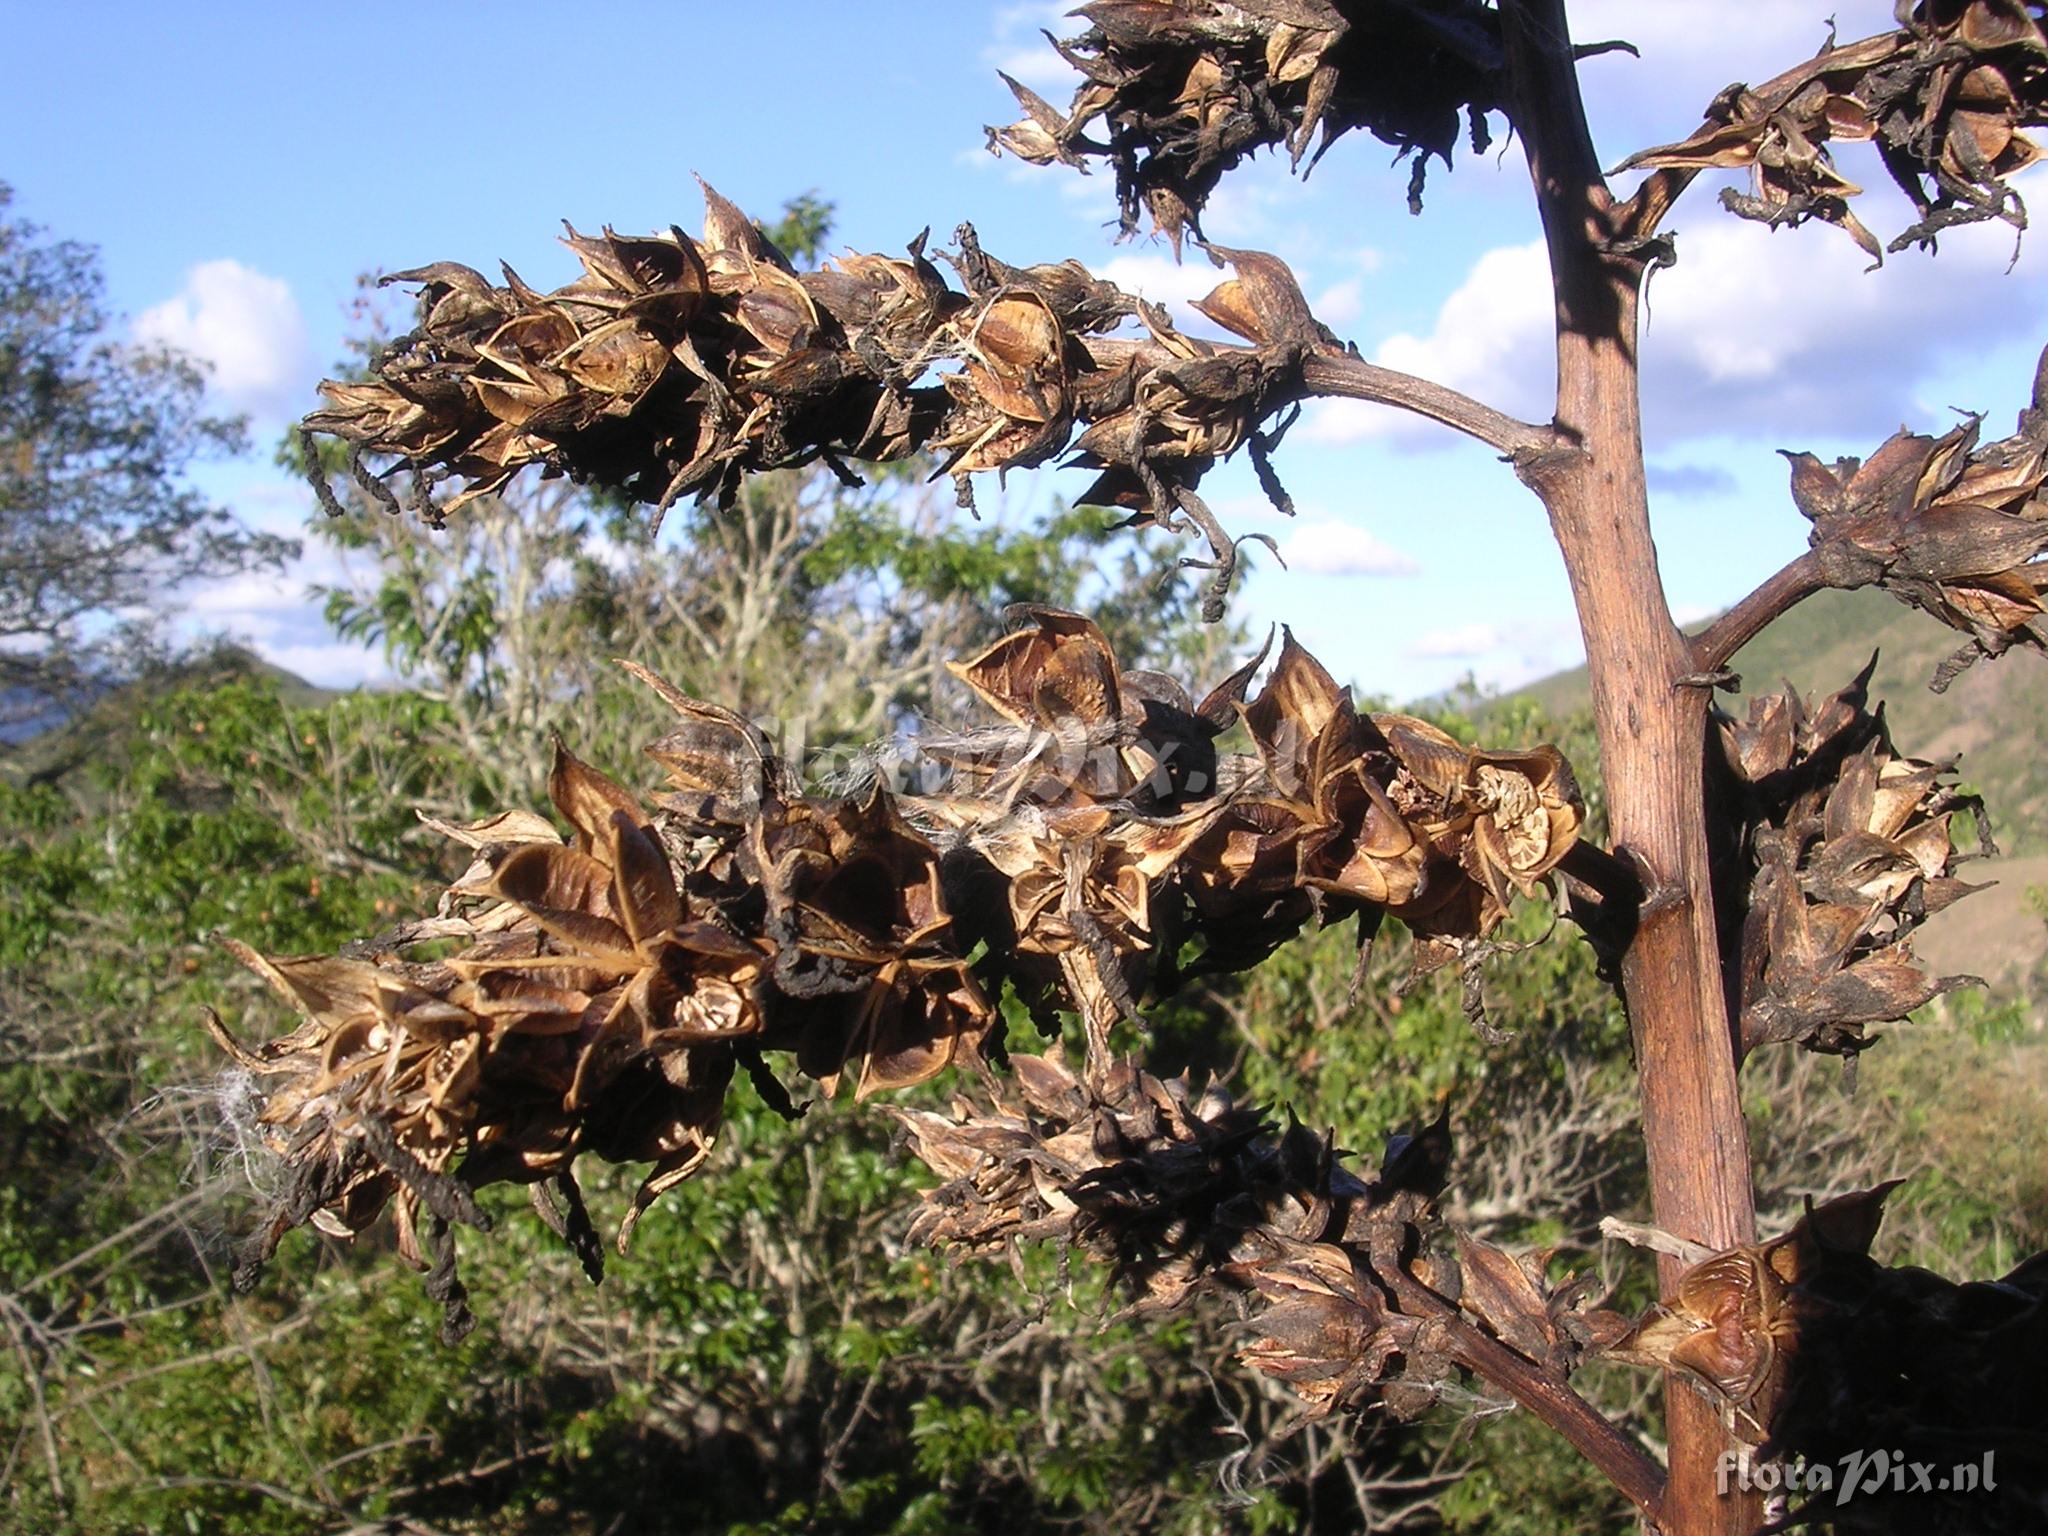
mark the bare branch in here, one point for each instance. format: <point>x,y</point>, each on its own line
<point>1716,646</point>
<point>1347,376</point>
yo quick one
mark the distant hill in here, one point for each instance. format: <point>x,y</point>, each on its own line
<point>1993,719</point>
<point>102,731</point>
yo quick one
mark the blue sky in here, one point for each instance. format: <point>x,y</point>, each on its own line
<point>240,165</point>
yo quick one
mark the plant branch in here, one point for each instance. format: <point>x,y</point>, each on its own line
<point>1352,378</point>
<point>32,1371</point>
<point>1618,1457</point>
<point>1639,218</point>
<point>1716,646</point>
<point>1591,1434</point>
<point>1331,373</point>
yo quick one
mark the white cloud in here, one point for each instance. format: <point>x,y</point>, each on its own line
<point>275,614</point>
<point>338,664</point>
<point>1691,480</point>
<point>1786,333</point>
<point>265,602</point>
<point>1340,304</point>
<point>1492,336</point>
<point>1782,335</point>
<point>1325,547</point>
<point>1491,339</point>
<point>1022,53</point>
<point>1495,655</point>
<point>247,326</point>
<point>1158,277</point>
<point>1039,69</point>
<point>1465,642</point>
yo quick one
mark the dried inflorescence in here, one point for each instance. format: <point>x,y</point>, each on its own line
<point>1115,806</point>
<point>602,992</point>
<point>1353,1291</point>
<point>1944,100</point>
<point>1183,90</point>
<point>1817,1351</point>
<point>591,1009</point>
<point>1845,848</point>
<point>1376,814</point>
<point>1953,528</point>
<point>677,366</point>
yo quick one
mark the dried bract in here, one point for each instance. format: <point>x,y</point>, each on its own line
<point>1184,90</point>
<point>1944,99</point>
<point>677,366</point>
<point>1846,849</point>
<point>607,988</point>
<point>1954,529</point>
<point>1819,1352</point>
<point>1350,1296</point>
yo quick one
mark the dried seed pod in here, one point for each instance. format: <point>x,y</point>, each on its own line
<point>1943,98</point>
<point>1184,1193</point>
<point>677,367</point>
<point>1817,1351</point>
<point>1951,528</point>
<point>1733,1323</point>
<point>1379,815</point>
<point>1185,90</point>
<point>876,976</point>
<point>1846,849</point>
<point>588,1011</point>
<point>608,987</point>
<point>1087,731</point>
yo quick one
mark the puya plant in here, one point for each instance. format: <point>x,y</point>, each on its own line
<point>1088,844</point>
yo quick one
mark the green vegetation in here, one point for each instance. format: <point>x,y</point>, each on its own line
<point>769,1358</point>
<point>97,519</point>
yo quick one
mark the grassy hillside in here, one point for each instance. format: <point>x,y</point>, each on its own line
<point>1992,720</point>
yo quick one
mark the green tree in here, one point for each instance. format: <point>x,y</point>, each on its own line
<point>97,519</point>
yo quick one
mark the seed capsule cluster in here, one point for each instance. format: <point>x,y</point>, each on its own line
<point>1847,850</point>
<point>1348,1283</point>
<point>677,366</point>
<point>1950,526</point>
<point>1820,1353</point>
<point>1184,90</point>
<point>1944,99</point>
<point>602,991</point>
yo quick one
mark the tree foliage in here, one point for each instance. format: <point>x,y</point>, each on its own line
<point>97,520</point>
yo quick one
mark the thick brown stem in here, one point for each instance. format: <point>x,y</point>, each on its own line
<point>1651,728</point>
